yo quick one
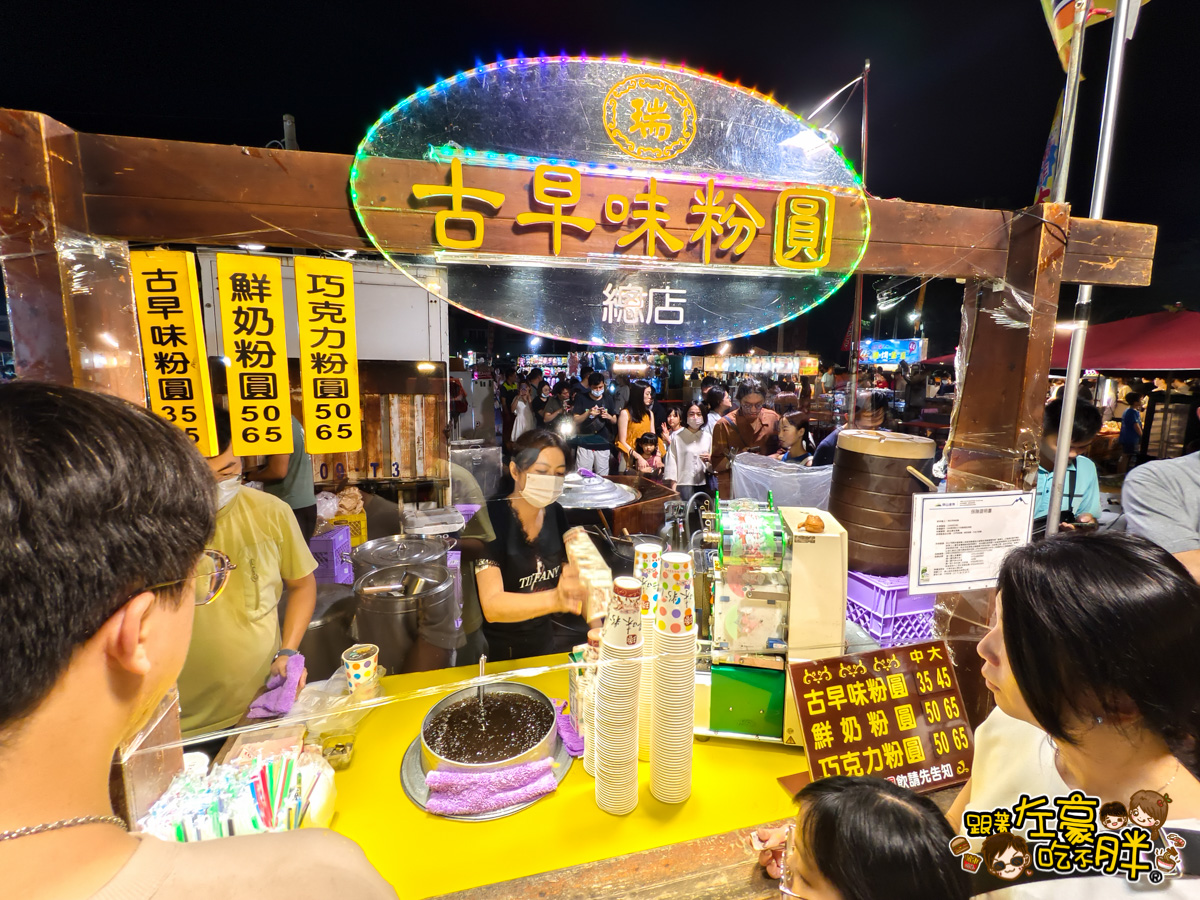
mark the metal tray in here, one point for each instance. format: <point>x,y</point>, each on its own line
<point>412,779</point>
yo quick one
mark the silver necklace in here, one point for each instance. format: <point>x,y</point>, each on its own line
<point>63,823</point>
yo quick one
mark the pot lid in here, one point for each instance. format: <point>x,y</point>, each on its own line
<point>398,550</point>
<point>595,492</point>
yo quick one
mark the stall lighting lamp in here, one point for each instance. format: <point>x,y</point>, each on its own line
<point>253,248</point>
<point>425,367</point>
<point>504,64</point>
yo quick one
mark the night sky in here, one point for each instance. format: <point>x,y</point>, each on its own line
<point>961,95</point>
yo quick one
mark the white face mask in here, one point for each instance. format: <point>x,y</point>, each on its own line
<point>542,490</point>
<point>597,393</point>
<point>695,421</point>
<point>227,490</point>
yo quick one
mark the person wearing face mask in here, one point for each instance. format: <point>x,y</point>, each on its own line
<point>1091,660</point>
<point>236,640</point>
<point>522,575</point>
<point>595,418</point>
<point>689,456</point>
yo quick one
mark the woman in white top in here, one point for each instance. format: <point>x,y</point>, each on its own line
<point>689,457</point>
<point>522,407</point>
<point>1092,661</point>
<point>718,404</point>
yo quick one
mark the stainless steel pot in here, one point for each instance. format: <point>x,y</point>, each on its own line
<point>543,748</point>
<point>398,550</point>
<point>396,601</point>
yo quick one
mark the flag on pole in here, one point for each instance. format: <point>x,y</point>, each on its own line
<point>1060,17</point>
<point>1050,157</point>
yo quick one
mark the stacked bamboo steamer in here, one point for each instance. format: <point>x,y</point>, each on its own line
<point>871,495</point>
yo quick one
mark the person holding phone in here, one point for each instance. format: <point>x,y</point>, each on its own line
<point>1081,492</point>
<point>595,419</point>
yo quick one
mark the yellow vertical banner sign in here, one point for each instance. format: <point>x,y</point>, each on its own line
<point>328,355</point>
<point>251,294</point>
<point>172,338</point>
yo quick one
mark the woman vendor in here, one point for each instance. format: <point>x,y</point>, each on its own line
<point>522,575</point>
<point>1091,659</point>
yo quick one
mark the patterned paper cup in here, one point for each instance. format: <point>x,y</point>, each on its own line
<point>676,609</point>
<point>362,665</point>
<point>623,624</point>
<point>646,568</point>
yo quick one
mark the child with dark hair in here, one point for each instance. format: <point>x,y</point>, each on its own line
<point>1091,660</point>
<point>859,838</point>
<point>650,462</point>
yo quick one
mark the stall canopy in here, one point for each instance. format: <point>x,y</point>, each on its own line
<point>1160,342</point>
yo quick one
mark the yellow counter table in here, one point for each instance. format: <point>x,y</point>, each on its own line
<point>422,855</point>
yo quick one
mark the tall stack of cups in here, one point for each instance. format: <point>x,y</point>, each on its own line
<point>616,724</point>
<point>646,564</point>
<point>673,720</point>
<point>591,658</point>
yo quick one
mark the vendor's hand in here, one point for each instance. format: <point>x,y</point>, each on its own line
<point>279,667</point>
<point>571,592</point>
<point>771,858</point>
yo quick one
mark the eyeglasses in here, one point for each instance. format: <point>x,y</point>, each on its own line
<point>785,871</point>
<point>210,577</point>
<point>750,407</point>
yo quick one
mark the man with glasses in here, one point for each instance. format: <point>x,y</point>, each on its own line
<point>105,513</point>
<point>745,429</point>
<point>236,640</point>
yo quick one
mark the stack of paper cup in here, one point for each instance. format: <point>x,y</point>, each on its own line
<point>676,609</point>
<point>616,727</point>
<point>591,657</point>
<point>623,624</point>
<point>646,690</point>
<point>672,723</point>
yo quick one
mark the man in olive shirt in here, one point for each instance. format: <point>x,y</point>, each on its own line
<point>236,640</point>
<point>97,595</point>
<point>290,478</point>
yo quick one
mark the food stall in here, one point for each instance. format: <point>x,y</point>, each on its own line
<point>599,228</point>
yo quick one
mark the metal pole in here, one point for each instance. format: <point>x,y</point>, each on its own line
<point>856,330</point>
<point>289,133</point>
<point>1083,303</point>
<point>1066,132</point>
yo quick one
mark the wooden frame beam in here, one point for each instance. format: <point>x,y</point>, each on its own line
<point>145,190</point>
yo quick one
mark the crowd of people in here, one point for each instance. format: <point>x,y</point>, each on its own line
<point>108,517</point>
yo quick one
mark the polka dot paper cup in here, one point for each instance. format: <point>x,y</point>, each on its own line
<point>361,663</point>
<point>675,611</point>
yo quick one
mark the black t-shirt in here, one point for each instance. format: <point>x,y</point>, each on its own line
<point>598,430</point>
<point>527,568</point>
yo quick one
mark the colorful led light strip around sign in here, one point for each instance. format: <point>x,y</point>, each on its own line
<point>517,161</point>
<point>529,162</point>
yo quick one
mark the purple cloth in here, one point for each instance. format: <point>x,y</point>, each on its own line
<point>467,793</point>
<point>586,473</point>
<point>280,695</point>
<point>570,737</point>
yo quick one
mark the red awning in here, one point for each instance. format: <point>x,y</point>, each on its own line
<point>1159,342</point>
<point>947,360</point>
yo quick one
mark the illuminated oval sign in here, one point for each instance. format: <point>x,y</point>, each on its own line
<point>611,202</point>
